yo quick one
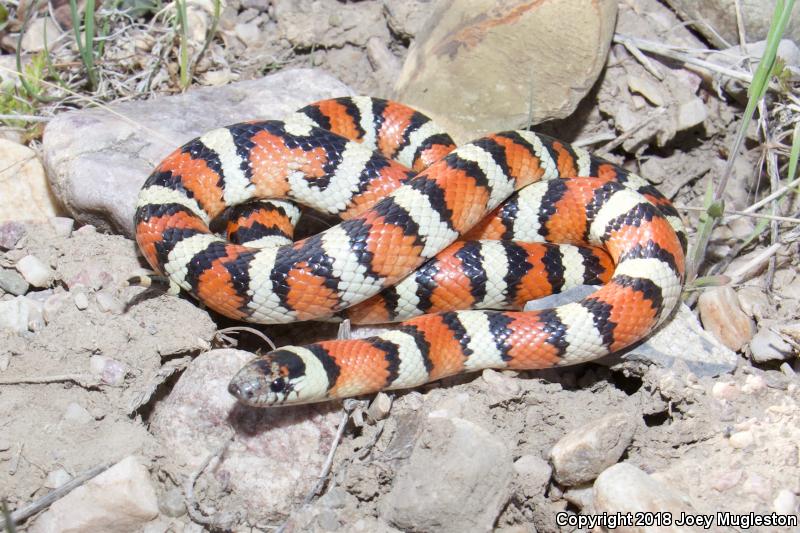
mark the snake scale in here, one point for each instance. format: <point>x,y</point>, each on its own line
<point>449,241</point>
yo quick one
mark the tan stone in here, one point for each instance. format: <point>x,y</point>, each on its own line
<point>480,66</point>
<point>722,315</point>
<point>120,499</point>
<point>23,186</point>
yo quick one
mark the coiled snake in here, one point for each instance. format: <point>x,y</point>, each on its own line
<point>430,233</point>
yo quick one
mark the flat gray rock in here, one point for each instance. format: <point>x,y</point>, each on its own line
<point>683,339</point>
<point>458,478</point>
<point>97,159</point>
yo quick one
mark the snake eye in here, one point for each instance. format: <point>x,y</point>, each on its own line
<point>277,385</point>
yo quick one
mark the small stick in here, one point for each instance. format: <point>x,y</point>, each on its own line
<point>83,380</point>
<point>606,148</point>
<point>48,499</point>
<point>191,505</point>
<point>672,53</point>
<point>767,199</point>
<point>643,60</point>
<point>754,264</point>
<point>350,405</point>
<point>249,330</point>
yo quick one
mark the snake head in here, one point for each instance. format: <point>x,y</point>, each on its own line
<point>281,377</point>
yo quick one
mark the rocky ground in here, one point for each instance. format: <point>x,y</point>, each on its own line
<point>121,391</point>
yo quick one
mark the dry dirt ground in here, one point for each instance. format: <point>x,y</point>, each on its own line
<point>79,387</point>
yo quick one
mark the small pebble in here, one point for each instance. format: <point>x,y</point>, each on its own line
<point>787,370</point>
<point>77,414</point>
<point>767,345</point>
<point>741,439</point>
<point>81,300</point>
<point>504,386</point>
<point>56,478</point>
<point>5,360</point>
<point>107,303</point>
<point>725,390</point>
<point>580,497</point>
<point>580,455</point>
<point>10,234</point>
<point>722,315</point>
<point>533,474</point>
<point>753,384</point>
<point>36,321</point>
<point>62,226</point>
<point>35,271</point>
<point>12,282</point>
<point>88,229</point>
<point>380,406</point>
<point>172,503</point>
<point>785,502</point>
<point>110,371</point>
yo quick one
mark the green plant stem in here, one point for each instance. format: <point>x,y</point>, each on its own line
<point>756,91</point>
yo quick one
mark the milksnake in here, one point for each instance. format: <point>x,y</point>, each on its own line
<point>429,232</point>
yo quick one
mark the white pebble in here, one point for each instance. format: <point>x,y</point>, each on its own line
<point>62,226</point>
<point>753,384</point>
<point>81,300</point>
<point>107,303</point>
<point>741,439</point>
<point>35,271</point>
<point>725,390</point>
<point>110,371</point>
<point>56,478</point>
<point>77,414</point>
<point>785,502</point>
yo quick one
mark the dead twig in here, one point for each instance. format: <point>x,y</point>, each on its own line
<point>84,380</point>
<point>606,148</point>
<point>349,405</point>
<point>20,515</point>
<point>192,507</point>
<point>232,342</point>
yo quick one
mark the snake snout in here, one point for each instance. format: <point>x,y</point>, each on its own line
<point>243,390</point>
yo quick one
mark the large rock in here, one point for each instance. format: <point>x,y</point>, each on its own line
<point>480,66</point>
<point>276,454</point>
<point>458,478</point>
<point>120,499</point>
<point>23,185</point>
<point>719,19</point>
<point>97,159</point>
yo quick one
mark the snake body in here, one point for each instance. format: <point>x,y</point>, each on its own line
<point>429,231</point>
